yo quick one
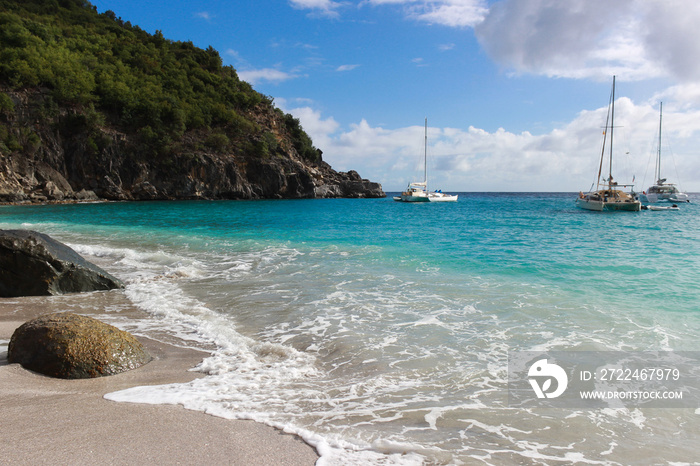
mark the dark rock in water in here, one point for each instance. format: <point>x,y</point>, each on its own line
<point>71,346</point>
<point>33,264</point>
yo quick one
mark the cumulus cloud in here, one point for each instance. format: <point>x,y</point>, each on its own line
<point>671,36</point>
<point>565,159</point>
<point>682,96</point>
<point>321,130</point>
<point>635,39</point>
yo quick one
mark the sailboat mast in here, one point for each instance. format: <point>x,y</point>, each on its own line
<point>658,155</point>
<point>612,126</point>
<point>605,140</point>
<point>425,156</point>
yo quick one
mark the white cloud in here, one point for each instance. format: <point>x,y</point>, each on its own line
<point>240,61</point>
<point>313,3</point>
<point>683,96</point>
<point>204,15</point>
<point>322,7</point>
<point>635,39</point>
<point>565,159</point>
<point>265,74</point>
<point>346,67</point>
<point>453,13</point>
<point>314,124</point>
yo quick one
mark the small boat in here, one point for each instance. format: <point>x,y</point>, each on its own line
<point>660,207</point>
<point>439,196</point>
<point>662,191</point>
<point>608,197</point>
<point>417,191</point>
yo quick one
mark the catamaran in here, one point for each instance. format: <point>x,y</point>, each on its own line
<point>662,191</point>
<point>607,197</point>
<point>417,191</point>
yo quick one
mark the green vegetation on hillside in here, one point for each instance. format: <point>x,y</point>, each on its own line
<point>107,70</point>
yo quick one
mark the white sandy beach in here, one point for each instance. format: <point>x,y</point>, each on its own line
<point>54,421</point>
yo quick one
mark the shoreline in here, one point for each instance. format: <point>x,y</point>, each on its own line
<point>49,420</point>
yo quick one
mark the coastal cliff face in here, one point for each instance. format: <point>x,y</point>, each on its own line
<point>65,157</point>
<point>92,107</point>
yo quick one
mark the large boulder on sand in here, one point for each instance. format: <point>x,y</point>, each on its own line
<point>33,264</point>
<point>71,346</point>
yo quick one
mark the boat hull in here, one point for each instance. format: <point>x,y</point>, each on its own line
<point>609,201</point>
<point>410,198</point>
<point>612,200</point>
<point>432,197</point>
<point>674,198</point>
<point>658,208</point>
<point>610,206</point>
<point>439,197</point>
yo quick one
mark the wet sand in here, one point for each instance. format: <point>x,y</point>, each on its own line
<point>54,421</point>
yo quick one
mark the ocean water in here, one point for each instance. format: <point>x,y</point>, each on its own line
<point>380,331</point>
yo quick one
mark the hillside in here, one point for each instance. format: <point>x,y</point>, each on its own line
<point>93,106</point>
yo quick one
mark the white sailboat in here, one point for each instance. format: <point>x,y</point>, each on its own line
<point>607,197</point>
<point>662,191</point>
<point>417,191</point>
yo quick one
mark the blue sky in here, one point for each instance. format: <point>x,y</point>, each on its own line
<point>515,91</point>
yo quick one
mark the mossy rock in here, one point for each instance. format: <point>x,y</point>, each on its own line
<point>71,346</point>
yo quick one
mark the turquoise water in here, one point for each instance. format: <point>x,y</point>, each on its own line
<point>380,331</point>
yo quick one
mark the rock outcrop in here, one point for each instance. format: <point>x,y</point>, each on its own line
<point>34,264</point>
<point>71,346</point>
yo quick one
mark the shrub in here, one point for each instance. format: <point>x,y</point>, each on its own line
<point>217,141</point>
<point>7,107</point>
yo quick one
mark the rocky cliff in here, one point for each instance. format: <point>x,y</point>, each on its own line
<point>56,159</point>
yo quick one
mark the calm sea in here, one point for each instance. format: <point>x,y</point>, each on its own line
<point>380,331</point>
